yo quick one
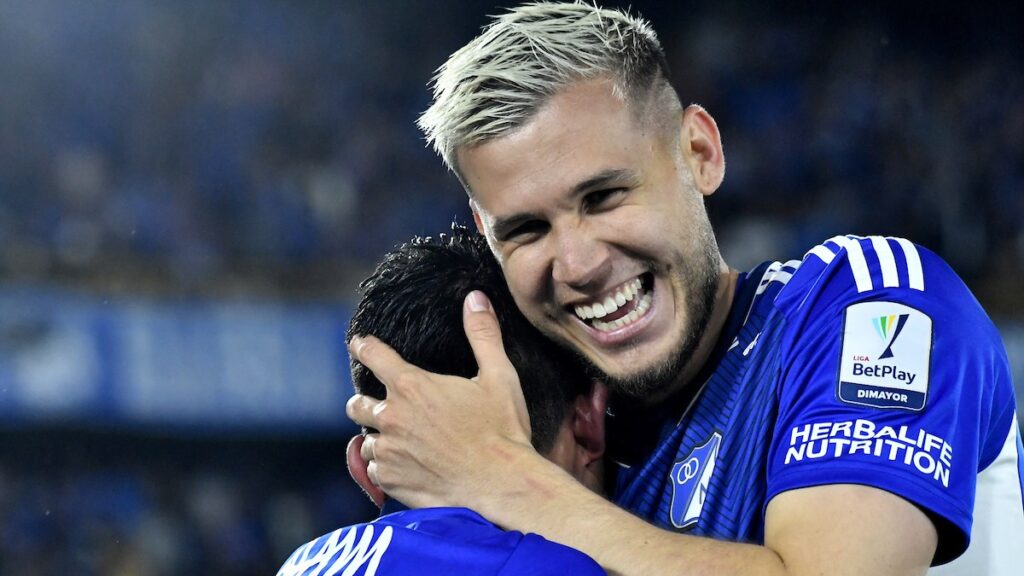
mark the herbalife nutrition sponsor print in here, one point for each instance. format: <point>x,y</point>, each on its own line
<point>914,447</point>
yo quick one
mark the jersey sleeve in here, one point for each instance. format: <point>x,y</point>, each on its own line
<point>891,376</point>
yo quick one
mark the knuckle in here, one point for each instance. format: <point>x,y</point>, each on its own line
<point>366,450</point>
<point>404,382</point>
<point>368,348</point>
<point>381,450</point>
<point>373,473</point>
<point>500,372</point>
<point>385,418</point>
<point>384,478</point>
<point>351,405</point>
<point>358,407</point>
<point>482,329</point>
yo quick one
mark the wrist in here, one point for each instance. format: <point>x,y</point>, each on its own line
<point>518,479</point>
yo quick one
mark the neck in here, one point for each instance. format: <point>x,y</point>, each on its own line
<point>716,322</point>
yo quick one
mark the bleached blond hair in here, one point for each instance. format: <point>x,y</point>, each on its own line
<point>499,80</point>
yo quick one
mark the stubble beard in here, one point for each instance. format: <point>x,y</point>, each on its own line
<point>701,283</point>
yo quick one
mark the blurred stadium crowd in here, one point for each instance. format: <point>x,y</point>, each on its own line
<point>102,503</point>
<point>266,148</point>
<point>192,142</point>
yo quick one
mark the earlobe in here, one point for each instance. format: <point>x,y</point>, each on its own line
<point>702,145</point>
<point>357,470</point>
<point>588,423</point>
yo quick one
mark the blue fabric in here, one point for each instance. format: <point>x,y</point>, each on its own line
<point>789,415</point>
<point>434,541</point>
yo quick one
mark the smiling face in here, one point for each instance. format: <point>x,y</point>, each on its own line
<point>599,224</point>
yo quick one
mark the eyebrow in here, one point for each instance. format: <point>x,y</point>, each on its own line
<point>503,226</point>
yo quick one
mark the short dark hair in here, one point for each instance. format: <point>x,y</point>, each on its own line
<point>413,302</point>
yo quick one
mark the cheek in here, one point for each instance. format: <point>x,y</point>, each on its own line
<point>646,231</point>
<point>525,275</point>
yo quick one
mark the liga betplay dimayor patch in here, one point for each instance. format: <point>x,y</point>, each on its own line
<point>885,356</point>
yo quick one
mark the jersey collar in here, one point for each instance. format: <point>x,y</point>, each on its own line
<point>634,429</point>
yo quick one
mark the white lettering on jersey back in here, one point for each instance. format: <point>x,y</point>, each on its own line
<point>341,555</point>
<point>913,447</point>
<point>997,534</point>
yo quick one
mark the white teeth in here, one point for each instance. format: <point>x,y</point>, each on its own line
<point>610,305</point>
<point>625,293</point>
<point>641,308</point>
<point>644,303</point>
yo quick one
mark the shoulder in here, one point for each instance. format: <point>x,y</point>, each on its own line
<point>851,268</point>
<point>350,547</point>
<point>879,311</point>
<point>538,556</point>
<point>387,540</point>
<point>847,270</point>
<point>435,540</point>
<point>884,351</point>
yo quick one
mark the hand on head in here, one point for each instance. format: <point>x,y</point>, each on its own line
<point>441,438</point>
<point>358,469</point>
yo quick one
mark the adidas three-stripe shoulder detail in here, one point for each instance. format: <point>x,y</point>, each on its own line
<point>865,253</point>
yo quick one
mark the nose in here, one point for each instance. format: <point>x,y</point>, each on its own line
<point>580,260</point>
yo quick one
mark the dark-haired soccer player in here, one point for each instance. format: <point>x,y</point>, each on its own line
<point>846,412</point>
<point>414,302</point>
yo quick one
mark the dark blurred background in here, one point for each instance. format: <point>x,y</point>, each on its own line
<point>190,191</point>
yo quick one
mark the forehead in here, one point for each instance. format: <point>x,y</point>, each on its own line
<point>583,131</point>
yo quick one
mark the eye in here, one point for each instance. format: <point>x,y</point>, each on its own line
<point>526,232</point>
<point>600,199</point>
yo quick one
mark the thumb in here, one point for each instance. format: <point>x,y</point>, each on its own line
<point>484,334</point>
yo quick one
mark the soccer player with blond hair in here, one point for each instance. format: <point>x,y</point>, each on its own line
<point>846,412</point>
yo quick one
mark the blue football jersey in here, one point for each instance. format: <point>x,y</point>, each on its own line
<point>441,541</point>
<point>866,362</point>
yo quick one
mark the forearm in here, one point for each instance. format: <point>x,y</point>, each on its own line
<point>539,497</point>
<point>482,459</point>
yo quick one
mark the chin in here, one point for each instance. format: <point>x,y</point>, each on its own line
<point>651,384</point>
<point>654,379</point>
<point>661,375</point>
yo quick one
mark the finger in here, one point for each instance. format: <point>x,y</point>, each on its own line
<point>379,358</point>
<point>368,447</point>
<point>357,468</point>
<point>363,410</point>
<point>371,473</point>
<point>484,333</point>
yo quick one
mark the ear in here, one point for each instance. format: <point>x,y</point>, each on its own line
<point>702,149</point>
<point>588,425</point>
<point>357,470</point>
<point>476,216</point>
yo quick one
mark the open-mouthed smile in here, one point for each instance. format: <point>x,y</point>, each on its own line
<point>620,307</point>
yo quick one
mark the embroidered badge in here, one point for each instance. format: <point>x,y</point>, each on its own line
<point>691,476</point>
